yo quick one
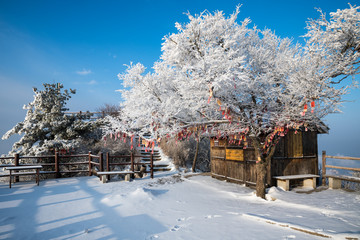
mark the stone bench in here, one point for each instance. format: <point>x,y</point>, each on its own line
<point>309,180</point>
<point>103,175</point>
<point>335,181</point>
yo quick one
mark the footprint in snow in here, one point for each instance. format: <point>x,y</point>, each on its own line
<point>290,237</point>
<point>175,228</point>
<point>152,237</point>
<point>327,214</point>
<point>180,219</point>
<point>212,216</point>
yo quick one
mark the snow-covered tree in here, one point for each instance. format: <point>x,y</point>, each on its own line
<point>176,93</point>
<point>108,109</point>
<point>47,127</point>
<point>335,43</point>
<point>218,77</point>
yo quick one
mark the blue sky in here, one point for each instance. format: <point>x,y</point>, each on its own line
<point>85,44</point>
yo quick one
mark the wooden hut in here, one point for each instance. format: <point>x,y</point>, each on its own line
<point>296,153</point>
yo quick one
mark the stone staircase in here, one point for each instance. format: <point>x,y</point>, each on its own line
<point>159,166</point>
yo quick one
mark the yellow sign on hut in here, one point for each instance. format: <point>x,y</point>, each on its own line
<point>235,154</point>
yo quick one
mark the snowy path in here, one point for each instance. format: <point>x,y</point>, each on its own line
<point>198,207</point>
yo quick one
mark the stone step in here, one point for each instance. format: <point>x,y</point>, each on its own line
<point>148,155</point>
<point>161,169</point>
<point>148,161</point>
<point>161,165</point>
<point>149,152</point>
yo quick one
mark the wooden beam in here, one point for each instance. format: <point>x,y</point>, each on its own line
<point>323,170</point>
<point>345,158</point>
<point>57,169</point>
<point>345,168</point>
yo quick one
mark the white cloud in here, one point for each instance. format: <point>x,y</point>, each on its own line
<point>84,72</point>
<point>92,82</point>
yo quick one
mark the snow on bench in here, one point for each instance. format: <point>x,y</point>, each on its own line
<point>309,180</point>
<point>103,175</point>
<point>335,181</point>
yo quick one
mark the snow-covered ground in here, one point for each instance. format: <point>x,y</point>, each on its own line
<point>172,207</point>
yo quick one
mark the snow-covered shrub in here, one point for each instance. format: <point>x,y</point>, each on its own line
<point>167,180</point>
<point>179,151</point>
<point>113,147</point>
<point>108,110</point>
<point>182,152</point>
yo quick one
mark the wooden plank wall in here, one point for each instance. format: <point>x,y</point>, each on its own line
<point>232,162</point>
<point>297,145</point>
<point>295,154</point>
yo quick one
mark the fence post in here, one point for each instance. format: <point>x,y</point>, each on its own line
<point>90,172</point>
<point>244,172</point>
<point>108,165</point>
<point>132,161</point>
<point>323,170</point>
<point>101,161</point>
<point>151,166</point>
<point>57,170</point>
<point>132,165</point>
<point>16,163</point>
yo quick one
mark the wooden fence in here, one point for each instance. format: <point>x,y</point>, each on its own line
<point>325,166</point>
<point>110,162</point>
<point>85,163</point>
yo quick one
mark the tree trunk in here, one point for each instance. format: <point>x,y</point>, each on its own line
<point>196,155</point>
<point>261,169</point>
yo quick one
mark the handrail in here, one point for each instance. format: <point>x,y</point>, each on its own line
<point>57,160</point>
<point>4,158</point>
<point>343,157</point>
<point>49,156</point>
<point>324,166</point>
<point>120,156</point>
<point>34,157</point>
<point>345,168</point>
<point>74,156</point>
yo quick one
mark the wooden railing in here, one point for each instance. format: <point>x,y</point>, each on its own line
<point>325,166</point>
<point>82,160</point>
<point>55,162</point>
<point>132,163</point>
